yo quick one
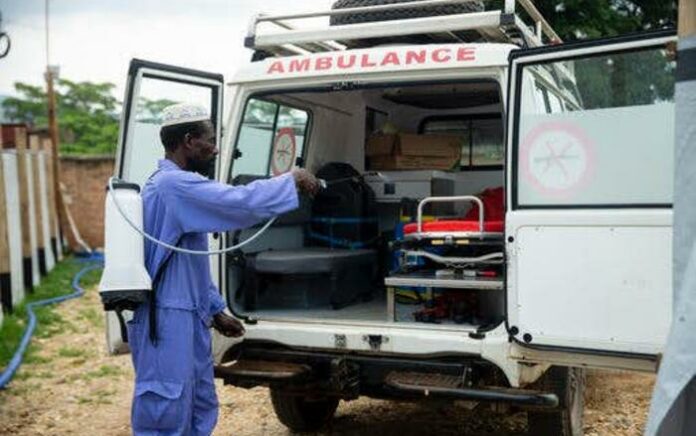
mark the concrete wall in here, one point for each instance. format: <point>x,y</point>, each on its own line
<point>85,180</point>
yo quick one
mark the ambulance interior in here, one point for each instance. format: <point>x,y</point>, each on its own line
<point>356,251</point>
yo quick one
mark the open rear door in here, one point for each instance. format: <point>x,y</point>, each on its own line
<point>149,89</point>
<point>589,201</point>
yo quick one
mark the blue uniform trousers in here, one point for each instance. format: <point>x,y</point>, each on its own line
<point>174,390</point>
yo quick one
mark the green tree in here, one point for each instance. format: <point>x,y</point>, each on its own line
<point>87,114</point>
<point>638,78</point>
<point>588,19</point>
<point>150,111</point>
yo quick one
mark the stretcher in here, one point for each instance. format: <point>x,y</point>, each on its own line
<point>471,230</point>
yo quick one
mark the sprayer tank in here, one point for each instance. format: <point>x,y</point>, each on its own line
<point>125,282</point>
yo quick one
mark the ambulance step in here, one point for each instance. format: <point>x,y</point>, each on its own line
<point>429,280</point>
<point>261,370</point>
<point>442,385</point>
<point>424,380</point>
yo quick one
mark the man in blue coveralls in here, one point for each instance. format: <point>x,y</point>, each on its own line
<point>170,341</point>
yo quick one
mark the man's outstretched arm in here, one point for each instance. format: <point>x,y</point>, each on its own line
<point>203,205</point>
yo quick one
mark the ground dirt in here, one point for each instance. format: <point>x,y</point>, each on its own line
<point>72,387</point>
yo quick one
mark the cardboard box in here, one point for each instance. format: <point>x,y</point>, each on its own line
<point>429,145</point>
<point>400,162</point>
<point>407,151</point>
<point>380,145</point>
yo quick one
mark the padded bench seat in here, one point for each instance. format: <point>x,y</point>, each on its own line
<point>311,260</point>
<point>308,277</point>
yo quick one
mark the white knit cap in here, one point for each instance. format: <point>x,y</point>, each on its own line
<point>181,113</point>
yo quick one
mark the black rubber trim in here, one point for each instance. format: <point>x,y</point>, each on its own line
<point>686,65</point>
<point>137,64</point>
<point>126,299</point>
<point>249,41</point>
<point>594,206</point>
<point>120,184</point>
<point>587,351</point>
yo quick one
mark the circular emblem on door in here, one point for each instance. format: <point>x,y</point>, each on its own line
<point>283,156</point>
<point>557,158</point>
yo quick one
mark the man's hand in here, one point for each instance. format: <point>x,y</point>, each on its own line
<point>227,325</point>
<point>306,182</point>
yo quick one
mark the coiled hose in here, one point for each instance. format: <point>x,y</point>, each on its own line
<point>94,261</point>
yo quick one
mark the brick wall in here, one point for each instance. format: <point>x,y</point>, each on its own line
<point>85,179</point>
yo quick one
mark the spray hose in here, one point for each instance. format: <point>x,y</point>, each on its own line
<point>324,184</point>
<point>94,262</point>
<point>179,249</point>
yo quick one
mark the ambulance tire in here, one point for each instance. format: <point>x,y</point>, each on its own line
<point>566,420</point>
<point>300,413</point>
<point>398,14</point>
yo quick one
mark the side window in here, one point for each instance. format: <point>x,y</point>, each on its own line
<point>607,136</point>
<point>482,138</point>
<point>271,138</point>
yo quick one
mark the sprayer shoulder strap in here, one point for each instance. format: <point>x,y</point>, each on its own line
<point>153,294</point>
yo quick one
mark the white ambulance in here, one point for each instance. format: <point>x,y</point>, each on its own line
<point>498,214</point>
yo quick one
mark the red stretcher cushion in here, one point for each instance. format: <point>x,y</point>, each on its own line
<point>455,226</point>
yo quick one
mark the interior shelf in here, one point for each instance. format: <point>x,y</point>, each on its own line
<point>430,280</point>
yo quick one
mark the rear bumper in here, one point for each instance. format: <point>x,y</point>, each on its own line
<point>349,376</point>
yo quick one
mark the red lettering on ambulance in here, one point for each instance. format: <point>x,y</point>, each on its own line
<point>391,59</point>
<point>415,56</point>
<point>342,61</point>
<point>297,65</point>
<point>323,63</point>
<point>441,55</point>
<point>276,67</point>
<point>365,61</point>
<point>466,54</point>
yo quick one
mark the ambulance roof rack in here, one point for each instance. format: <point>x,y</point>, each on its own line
<point>503,25</point>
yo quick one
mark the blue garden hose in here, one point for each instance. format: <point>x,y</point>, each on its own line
<point>94,261</point>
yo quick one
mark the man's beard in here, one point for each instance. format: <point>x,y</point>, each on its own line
<point>204,167</point>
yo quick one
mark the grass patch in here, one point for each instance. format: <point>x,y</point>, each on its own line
<point>72,352</point>
<point>56,283</point>
<point>105,371</point>
<point>32,356</point>
<point>101,396</point>
<point>92,316</point>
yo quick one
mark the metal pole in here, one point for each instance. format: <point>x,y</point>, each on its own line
<point>51,73</point>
